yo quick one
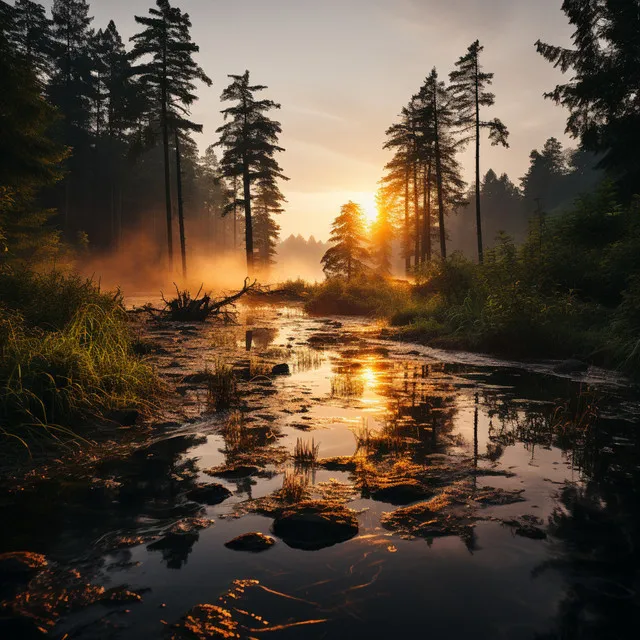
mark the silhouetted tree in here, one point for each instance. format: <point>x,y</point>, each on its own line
<point>468,87</point>
<point>170,71</point>
<point>249,139</point>
<point>268,202</point>
<point>348,255</point>
<point>602,94</point>
<point>32,33</point>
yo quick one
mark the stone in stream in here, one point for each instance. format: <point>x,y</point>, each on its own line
<point>280,370</point>
<point>210,494</point>
<point>254,542</point>
<point>402,492</point>
<point>572,365</point>
<point>315,524</point>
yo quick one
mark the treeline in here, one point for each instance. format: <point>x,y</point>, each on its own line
<point>433,209</point>
<point>109,136</point>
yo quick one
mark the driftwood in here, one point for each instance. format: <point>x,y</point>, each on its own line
<point>187,308</point>
<point>275,292</point>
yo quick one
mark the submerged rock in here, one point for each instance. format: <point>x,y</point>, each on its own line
<point>339,463</point>
<point>233,471</point>
<point>210,494</point>
<point>403,492</point>
<point>254,542</point>
<point>315,524</point>
<point>527,526</point>
<point>572,365</point>
<point>280,370</point>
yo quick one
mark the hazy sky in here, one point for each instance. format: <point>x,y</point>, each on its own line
<point>343,69</point>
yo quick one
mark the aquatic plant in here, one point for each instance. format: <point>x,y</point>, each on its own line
<point>222,388</point>
<point>235,434</point>
<point>305,452</point>
<point>294,487</point>
<point>346,385</point>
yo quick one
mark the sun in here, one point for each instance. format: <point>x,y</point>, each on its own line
<point>369,208</point>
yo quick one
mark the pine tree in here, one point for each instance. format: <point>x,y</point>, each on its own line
<point>382,233</point>
<point>348,255</point>
<point>269,201</point>
<point>249,139</point>
<point>542,184</point>
<point>30,158</point>
<point>170,72</point>
<point>33,36</point>
<point>602,94</point>
<point>468,86</point>
<point>438,122</point>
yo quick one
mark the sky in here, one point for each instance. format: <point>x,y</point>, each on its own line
<point>343,69</point>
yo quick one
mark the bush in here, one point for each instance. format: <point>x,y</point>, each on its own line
<point>365,296</point>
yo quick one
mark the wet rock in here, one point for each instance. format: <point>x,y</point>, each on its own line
<point>21,627</point>
<point>340,463</point>
<point>210,494</point>
<point>189,525</point>
<point>197,378</point>
<point>572,365</point>
<point>254,542</point>
<point>527,526</point>
<point>124,417</point>
<point>280,370</point>
<point>402,493</point>
<point>315,524</point>
<point>233,472</point>
<point>20,565</point>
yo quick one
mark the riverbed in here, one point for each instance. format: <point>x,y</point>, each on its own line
<point>539,471</point>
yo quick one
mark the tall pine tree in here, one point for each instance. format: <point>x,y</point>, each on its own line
<point>249,139</point>
<point>166,66</point>
<point>469,87</point>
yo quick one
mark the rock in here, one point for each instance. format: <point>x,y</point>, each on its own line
<point>315,524</point>
<point>124,417</point>
<point>281,370</point>
<point>254,542</point>
<point>402,493</point>
<point>17,565</point>
<point>339,463</point>
<point>527,526</point>
<point>210,494</point>
<point>233,472</point>
<point>197,378</point>
<point>571,366</point>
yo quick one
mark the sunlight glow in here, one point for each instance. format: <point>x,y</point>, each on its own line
<point>368,204</point>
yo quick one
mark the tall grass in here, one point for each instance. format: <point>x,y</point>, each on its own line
<point>222,387</point>
<point>305,452</point>
<point>67,357</point>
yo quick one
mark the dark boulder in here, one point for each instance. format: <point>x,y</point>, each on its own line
<point>254,542</point>
<point>280,370</point>
<point>210,494</point>
<point>315,524</point>
<point>401,493</point>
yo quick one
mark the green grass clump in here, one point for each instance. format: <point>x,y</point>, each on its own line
<point>52,379</point>
<point>294,488</point>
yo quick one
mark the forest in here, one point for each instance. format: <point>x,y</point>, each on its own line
<point>189,377</point>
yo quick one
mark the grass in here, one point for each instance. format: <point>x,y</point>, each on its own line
<point>222,387</point>
<point>294,488</point>
<point>305,359</point>
<point>237,438</point>
<point>305,452</point>
<point>346,385</point>
<point>373,442</point>
<point>67,362</point>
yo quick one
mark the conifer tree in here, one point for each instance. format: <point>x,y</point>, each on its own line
<point>30,158</point>
<point>269,201</point>
<point>348,255</point>
<point>249,139</point>
<point>33,36</point>
<point>170,72</point>
<point>469,88</point>
<point>602,92</point>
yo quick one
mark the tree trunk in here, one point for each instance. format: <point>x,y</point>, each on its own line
<point>478,214</point>
<point>165,145</point>
<point>407,258</point>
<point>443,238</point>
<point>183,244</point>
<point>426,216</point>
<point>246,183</point>
<point>416,206</point>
